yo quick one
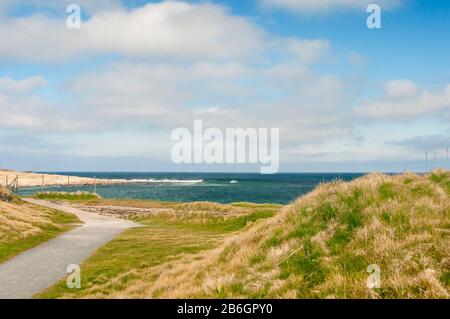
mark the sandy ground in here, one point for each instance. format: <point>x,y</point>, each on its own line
<point>35,179</point>
<point>38,268</point>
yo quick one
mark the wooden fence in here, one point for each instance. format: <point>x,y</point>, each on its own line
<point>12,185</point>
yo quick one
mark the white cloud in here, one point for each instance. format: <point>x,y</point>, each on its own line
<point>324,6</point>
<point>356,59</point>
<point>22,109</point>
<point>168,29</point>
<point>214,110</point>
<point>144,95</point>
<point>307,50</point>
<point>134,94</point>
<point>403,99</point>
<point>168,92</point>
<point>11,86</point>
<point>401,89</point>
<point>31,113</point>
<point>425,143</point>
<point>187,61</point>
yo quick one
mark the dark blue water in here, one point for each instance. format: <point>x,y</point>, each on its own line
<point>216,187</point>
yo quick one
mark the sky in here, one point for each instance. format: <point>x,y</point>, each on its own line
<point>106,96</point>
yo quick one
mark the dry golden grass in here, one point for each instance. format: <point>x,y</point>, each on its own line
<point>321,245</point>
<point>18,219</point>
<point>169,231</point>
<point>23,225</point>
<point>6,195</point>
<point>191,213</point>
<point>21,221</point>
<point>318,247</point>
<point>202,212</point>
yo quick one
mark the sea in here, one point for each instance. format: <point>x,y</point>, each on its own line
<point>191,187</point>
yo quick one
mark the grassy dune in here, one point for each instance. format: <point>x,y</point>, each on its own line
<point>318,247</point>
<point>23,225</point>
<point>169,233</point>
<point>321,245</point>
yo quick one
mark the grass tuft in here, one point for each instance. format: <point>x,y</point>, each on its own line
<point>67,196</point>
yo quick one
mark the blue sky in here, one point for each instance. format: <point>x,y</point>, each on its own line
<point>107,96</point>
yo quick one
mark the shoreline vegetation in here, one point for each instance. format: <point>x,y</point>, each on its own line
<point>319,246</point>
<point>29,179</point>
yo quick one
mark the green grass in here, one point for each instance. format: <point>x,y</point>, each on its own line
<point>63,196</point>
<point>387,191</point>
<point>439,176</point>
<point>351,263</point>
<point>422,190</point>
<point>135,249</point>
<point>218,225</point>
<point>340,239</point>
<point>442,178</point>
<point>396,222</point>
<point>305,263</point>
<point>317,247</point>
<point>12,247</point>
<point>160,240</point>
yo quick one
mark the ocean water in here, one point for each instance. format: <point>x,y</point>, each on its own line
<point>216,187</point>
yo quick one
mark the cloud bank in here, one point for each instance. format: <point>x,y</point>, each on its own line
<point>326,6</point>
<point>136,74</point>
<point>403,100</point>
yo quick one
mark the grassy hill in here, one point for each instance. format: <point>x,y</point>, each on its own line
<point>23,225</point>
<point>321,245</point>
<point>318,247</point>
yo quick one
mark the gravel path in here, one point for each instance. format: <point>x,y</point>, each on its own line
<point>38,268</point>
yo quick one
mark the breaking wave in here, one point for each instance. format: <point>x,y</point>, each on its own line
<point>166,181</point>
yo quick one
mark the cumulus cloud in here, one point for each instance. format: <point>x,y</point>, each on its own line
<point>356,59</point>
<point>177,61</point>
<point>22,109</point>
<point>306,50</point>
<point>31,113</point>
<point>134,93</point>
<point>401,89</point>
<point>403,99</point>
<point>322,6</point>
<point>170,95</point>
<point>11,86</point>
<point>167,29</point>
<point>222,85</point>
<point>425,143</point>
